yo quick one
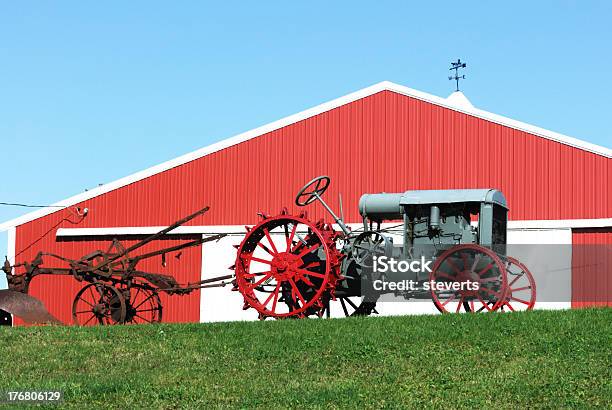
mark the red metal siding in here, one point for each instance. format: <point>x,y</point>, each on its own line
<point>592,267</point>
<point>384,142</point>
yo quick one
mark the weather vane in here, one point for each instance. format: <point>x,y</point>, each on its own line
<point>456,66</point>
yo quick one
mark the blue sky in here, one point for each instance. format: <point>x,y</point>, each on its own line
<point>91,92</point>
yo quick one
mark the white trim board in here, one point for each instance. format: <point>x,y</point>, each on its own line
<point>561,223</point>
<point>10,245</point>
<point>149,230</point>
<point>232,230</point>
<point>240,230</point>
<point>10,254</point>
<point>365,92</point>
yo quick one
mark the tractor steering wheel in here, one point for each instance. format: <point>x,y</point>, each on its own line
<point>312,191</point>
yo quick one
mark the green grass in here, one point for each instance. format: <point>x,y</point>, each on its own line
<point>554,359</point>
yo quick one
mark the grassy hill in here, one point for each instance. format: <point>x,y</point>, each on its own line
<point>534,359</point>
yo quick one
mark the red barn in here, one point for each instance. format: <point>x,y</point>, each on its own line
<point>385,137</point>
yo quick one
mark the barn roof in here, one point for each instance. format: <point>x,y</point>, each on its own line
<point>454,102</point>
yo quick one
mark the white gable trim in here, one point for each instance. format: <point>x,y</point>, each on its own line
<point>365,92</point>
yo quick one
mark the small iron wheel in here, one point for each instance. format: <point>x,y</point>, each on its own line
<point>98,303</point>
<point>143,305</point>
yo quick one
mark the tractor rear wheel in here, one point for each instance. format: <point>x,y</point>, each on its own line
<point>287,266</point>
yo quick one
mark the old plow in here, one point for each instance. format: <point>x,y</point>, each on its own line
<point>115,291</point>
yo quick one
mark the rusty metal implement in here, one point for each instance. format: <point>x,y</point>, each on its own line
<point>115,291</point>
<point>26,307</point>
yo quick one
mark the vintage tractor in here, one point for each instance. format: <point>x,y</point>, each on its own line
<point>289,267</point>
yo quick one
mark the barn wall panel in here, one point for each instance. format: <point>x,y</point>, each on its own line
<point>385,142</point>
<point>592,267</point>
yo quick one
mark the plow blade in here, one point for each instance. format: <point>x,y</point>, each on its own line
<point>26,307</point>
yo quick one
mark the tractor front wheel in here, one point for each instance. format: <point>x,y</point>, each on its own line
<point>468,278</point>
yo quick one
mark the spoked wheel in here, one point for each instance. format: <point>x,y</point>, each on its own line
<point>143,306</point>
<point>287,266</point>
<point>468,278</point>
<point>521,293</point>
<point>98,303</point>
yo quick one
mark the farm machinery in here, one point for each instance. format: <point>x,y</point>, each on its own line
<point>115,291</point>
<point>288,266</point>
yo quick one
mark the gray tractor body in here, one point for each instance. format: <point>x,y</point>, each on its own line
<point>441,217</point>
<point>433,221</point>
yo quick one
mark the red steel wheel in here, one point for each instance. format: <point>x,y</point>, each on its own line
<point>142,306</point>
<point>521,293</point>
<point>98,303</point>
<point>468,267</point>
<point>287,266</point>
